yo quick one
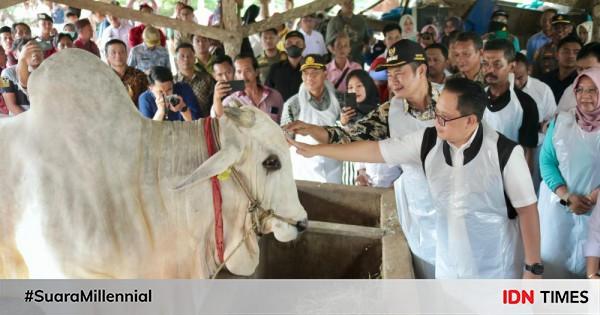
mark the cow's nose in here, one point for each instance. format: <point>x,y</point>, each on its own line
<point>302,225</point>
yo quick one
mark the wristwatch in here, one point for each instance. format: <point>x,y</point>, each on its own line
<point>537,269</point>
<point>564,200</point>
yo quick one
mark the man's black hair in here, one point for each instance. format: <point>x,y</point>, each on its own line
<point>187,7</point>
<point>219,59</point>
<point>591,49</point>
<point>5,29</point>
<point>114,41</point>
<point>390,27</point>
<point>14,27</point>
<point>519,57</point>
<point>64,35</point>
<point>441,47</point>
<point>248,56</point>
<point>184,45</point>
<point>567,40</point>
<point>272,29</point>
<point>159,74</point>
<point>470,37</point>
<point>500,44</point>
<point>472,98</point>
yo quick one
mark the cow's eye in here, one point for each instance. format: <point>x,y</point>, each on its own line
<point>272,163</point>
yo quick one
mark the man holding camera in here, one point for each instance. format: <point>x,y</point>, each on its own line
<point>166,100</point>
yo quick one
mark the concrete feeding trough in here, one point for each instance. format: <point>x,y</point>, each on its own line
<point>353,234</point>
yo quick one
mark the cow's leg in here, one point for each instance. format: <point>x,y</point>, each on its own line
<point>12,264</point>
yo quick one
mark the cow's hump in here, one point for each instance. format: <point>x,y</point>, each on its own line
<point>74,84</point>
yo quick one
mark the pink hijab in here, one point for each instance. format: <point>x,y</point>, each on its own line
<point>435,29</point>
<point>589,122</point>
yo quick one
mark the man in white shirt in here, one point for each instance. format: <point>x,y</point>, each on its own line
<point>315,43</point>
<point>118,29</point>
<point>479,180</point>
<point>546,105</point>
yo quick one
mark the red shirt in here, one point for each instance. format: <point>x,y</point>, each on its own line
<point>11,58</point>
<point>135,36</point>
<point>49,52</point>
<point>89,46</point>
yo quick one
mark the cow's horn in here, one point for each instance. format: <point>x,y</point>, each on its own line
<point>242,117</point>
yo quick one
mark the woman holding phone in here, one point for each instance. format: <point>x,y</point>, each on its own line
<point>363,87</point>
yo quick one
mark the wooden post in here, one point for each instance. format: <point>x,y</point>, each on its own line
<point>230,19</point>
<point>9,3</point>
<point>280,18</point>
<point>151,19</point>
<point>596,20</point>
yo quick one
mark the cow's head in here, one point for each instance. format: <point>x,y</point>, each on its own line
<point>253,144</point>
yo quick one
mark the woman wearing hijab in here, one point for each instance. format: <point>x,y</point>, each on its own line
<point>570,167</point>
<point>584,32</point>
<point>429,35</point>
<point>452,24</point>
<point>367,100</point>
<point>409,26</point>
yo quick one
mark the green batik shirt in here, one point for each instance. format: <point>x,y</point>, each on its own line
<point>375,125</point>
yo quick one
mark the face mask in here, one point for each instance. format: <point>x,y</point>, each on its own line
<point>294,51</point>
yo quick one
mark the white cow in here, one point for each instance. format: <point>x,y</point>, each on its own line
<point>87,184</point>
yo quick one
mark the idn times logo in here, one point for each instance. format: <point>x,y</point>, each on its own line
<point>513,296</point>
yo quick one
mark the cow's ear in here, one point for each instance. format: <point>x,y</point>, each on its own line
<point>218,163</point>
<point>240,115</point>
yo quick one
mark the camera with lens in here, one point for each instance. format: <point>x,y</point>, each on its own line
<point>173,100</point>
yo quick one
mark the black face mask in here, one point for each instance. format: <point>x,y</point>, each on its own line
<point>294,51</point>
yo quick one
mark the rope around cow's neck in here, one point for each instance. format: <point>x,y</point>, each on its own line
<point>259,214</point>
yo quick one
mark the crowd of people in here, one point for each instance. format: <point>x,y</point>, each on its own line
<point>492,151</point>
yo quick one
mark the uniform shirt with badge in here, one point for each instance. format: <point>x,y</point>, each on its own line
<point>143,58</point>
<point>10,84</point>
<point>3,84</point>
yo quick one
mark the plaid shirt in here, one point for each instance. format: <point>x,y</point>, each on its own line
<point>202,84</point>
<point>375,126</point>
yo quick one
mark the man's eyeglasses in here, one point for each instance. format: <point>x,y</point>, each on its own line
<point>443,121</point>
